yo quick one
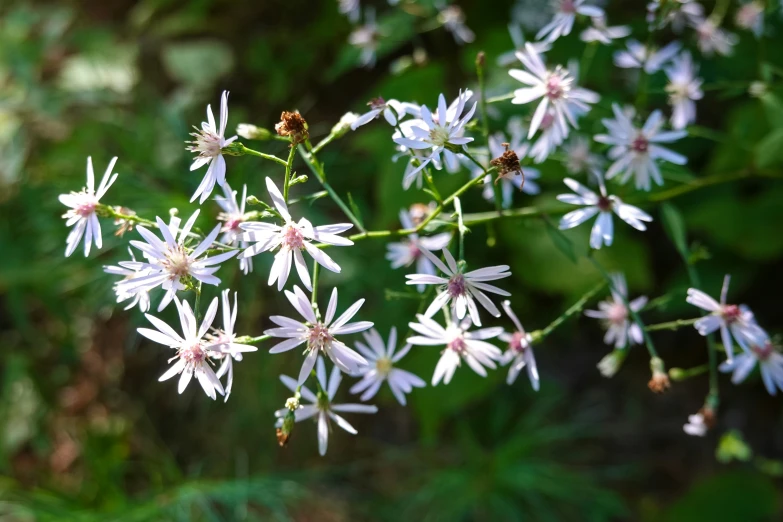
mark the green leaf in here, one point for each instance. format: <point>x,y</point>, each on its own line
<point>773,108</point>
<point>769,151</point>
<point>733,447</point>
<point>560,240</point>
<point>674,226</point>
<point>355,209</point>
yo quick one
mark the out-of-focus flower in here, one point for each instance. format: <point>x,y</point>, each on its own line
<point>565,15</point>
<point>636,150</point>
<point>322,405</point>
<point>750,16</point>
<point>517,36</point>
<point>678,13</point>
<point>224,340</point>
<point>391,110</point>
<point>365,38</point>
<point>696,426</point>
<point>318,335</point>
<point>578,158</point>
<point>453,19</point>
<point>621,331</point>
<point>169,262</point>
<point>603,205</point>
<point>684,89</point>
<point>555,88</point>
<point>192,350</point>
<point>409,250</point>
<point>520,351</point>
<point>639,56</point>
<point>208,145</point>
<point>461,345</point>
<point>760,350</point>
<point>610,364</point>
<point>292,237</point>
<point>713,39</point>
<point>381,358</point>
<point>461,289</point>
<point>141,297</point>
<point>233,216</point>
<point>601,33</point>
<point>735,321</point>
<point>349,8</point>
<point>81,214</point>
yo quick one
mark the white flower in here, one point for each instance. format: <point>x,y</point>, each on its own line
<point>578,158</point>
<point>381,360</point>
<point>565,14</point>
<point>555,88</point>
<point>713,39</point>
<point>761,351</point>
<point>750,16</point>
<point>434,132</point>
<point>192,351</point>
<point>551,137</point>
<point>621,331</point>
<point>365,37</point>
<point>453,19</point>
<point>321,405</point>
<point>635,151</point>
<point>601,33</point>
<point>610,364</point>
<point>81,215</point>
<point>679,13</point>
<point>696,426</point>
<point>232,216</point>
<point>225,341</point>
<point>509,57</point>
<point>520,351</point>
<point>170,261</point>
<point>141,297</point>
<point>603,205</point>
<point>684,89</point>
<point>461,288</point>
<point>391,110</point>
<point>292,238</point>
<point>350,8</point>
<point>732,320</point>
<point>318,335</point>
<point>638,56</point>
<point>409,250</point>
<point>208,145</point>
<point>460,345</point>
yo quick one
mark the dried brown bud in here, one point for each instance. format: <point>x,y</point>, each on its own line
<point>659,383</point>
<point>481,59</point>
<point>419,212</point>
<point>282,437</point>
<point>508,163</point>
<point>123,225</point>
<point>708,414</point>
<point>294,126</point>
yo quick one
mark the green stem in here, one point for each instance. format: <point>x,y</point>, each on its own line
<point>246,339</point>
<point>288,166</point>
<point>251,152</point>
<point>314,296</point>
<point>587,60</point>
<point>197,305</point>
<point>461,227</point>
<point>497,99</point>
<point>671,325</point>
<point>540,335</point>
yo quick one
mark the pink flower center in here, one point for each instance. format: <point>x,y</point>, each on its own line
<point>456,285</point>
<point>518,342</point>
<point>731,313</point>
<point>177,262</point>
<point>617,314</point>
<point>554,87</point>
<point>85,209</point>
<point>604,204</point>
<point>293,238</point>
<point>193,354</point>
<point>457,344</point>
<point>377,103</point>
<point>414,250</point>
<point>318,337</point>
<point>640,145</point>
<point>207,144</point>
<point>547,120</point>
<point>762,352</point>
<point>232,224</point>
<point>568,7</point>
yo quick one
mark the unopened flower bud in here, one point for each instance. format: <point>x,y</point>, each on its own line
<point>298,179</point>
<point>292,403</point>
<point>677,374</point>
<point>251,132</point>
<point>481,60</point>
<point>344,125</point>
<point>660,381</point>
<point>252,200</point>
<point>758,89</point>
<point>611,363</point>
<point>173,211</point>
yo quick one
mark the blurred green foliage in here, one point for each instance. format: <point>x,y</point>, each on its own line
<point>87,432</point>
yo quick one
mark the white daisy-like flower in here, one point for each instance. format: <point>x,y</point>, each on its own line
<point>409,249</point>
<point>453,19</point>
<point>391,110</point>
<point>141,297</point>
<point>232,216</point>
<point>381,358</point>
<point>193,351</point>
<point>318,335</point>
<point>732,320</point>
<point>322,405</point>
<point>517,36</point>
<point>601,33</point>
<point>292,237</point>
<point>684,89</point>
<point>435,132</point>
<point>713,39</point>
<point>81,214</point>
<point>170,261</point>
<point>520,351</point>
<point>224,340</point>
<point>696,426</point>
<point>208,145</point>
<point>635,150</point>
<point>639,56</point>
<point>365,37</point>
<point>761,351</point>
<point>461,289</point>
<point>461,345</point>
<point>550,138</point>
<point>565,15</point>
<point>603,205</point>
<point>578,158</point>
<point>621,330</point>
<point>556,89</point>
<point>750,16</point>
